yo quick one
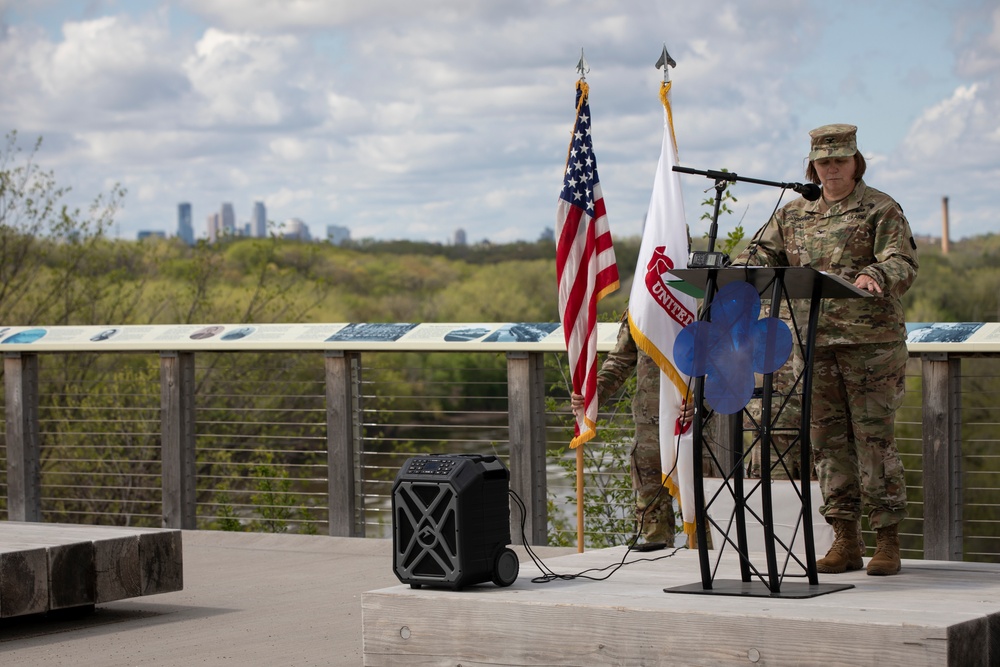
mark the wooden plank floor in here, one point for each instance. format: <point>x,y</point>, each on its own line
<point>933,613</point>
<point>248,599</point>
<point>47,567</point>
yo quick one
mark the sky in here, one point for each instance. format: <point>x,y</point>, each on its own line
<point>410,120</point>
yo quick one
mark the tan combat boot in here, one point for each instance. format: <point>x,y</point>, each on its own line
<point>845,552</point>
<point>886,559</point>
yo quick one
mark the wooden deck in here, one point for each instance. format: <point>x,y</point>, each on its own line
<point>52,567</point>
<point>933,613</point>
<point>256,599</point>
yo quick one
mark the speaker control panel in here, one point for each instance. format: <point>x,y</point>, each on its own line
<point>429,466</point>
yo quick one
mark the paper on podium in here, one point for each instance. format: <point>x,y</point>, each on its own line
<point>799,281</point>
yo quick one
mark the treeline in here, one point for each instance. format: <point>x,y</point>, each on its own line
<point>90,278</point>
<point>962,286</point>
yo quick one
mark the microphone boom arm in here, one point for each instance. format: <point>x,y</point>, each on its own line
<point>810,191</point>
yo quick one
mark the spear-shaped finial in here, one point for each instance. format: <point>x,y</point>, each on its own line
<point>582,67</point>
<point>665,62</point>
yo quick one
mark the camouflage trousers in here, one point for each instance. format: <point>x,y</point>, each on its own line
<point>856,392</point>
<point>654,510</point>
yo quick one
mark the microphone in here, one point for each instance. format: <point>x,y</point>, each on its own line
<point>810,191</point>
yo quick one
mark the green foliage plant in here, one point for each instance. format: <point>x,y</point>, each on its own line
<point>734,236</point>
<point>274,507</point>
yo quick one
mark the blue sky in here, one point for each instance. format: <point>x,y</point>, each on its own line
<point>411,120</point>
<point>899,63</point>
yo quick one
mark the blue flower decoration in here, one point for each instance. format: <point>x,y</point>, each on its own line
<point>732,346</point>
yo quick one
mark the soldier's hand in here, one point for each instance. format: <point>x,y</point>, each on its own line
<point>868,284</point>
<point>687,413</point>
<point>576,404</point>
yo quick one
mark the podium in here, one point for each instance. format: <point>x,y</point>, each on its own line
<point>768,580</point>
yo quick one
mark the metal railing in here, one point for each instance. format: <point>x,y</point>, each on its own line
<point>310,441</point>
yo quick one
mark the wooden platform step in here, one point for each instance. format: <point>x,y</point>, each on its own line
<point>932,614</point>
<point>47,567</point>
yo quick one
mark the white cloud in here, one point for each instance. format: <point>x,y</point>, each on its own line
<point>111,69</point>
<point>284,197</point>
<point>403,119</point>
<point>252,80</point>
<point>955,121</point>
<point>294,149</point>
<point>980,35</point>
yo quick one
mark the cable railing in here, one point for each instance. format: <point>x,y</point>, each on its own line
<point>980,469</point>
<point>259,443</point>
<point>266,455</point>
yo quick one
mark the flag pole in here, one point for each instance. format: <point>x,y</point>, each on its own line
<point>579,499</point>
<point>582,67</point>
<point>666,62</point>
<point>586,272</point>
<point>659,311</point>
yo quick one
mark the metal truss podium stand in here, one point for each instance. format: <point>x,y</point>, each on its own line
<point>778,284</point>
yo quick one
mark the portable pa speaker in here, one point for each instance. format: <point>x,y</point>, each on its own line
<point>451,522</point>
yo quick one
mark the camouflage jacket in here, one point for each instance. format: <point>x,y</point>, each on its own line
<point>866,233</point>
<point>619,365</point>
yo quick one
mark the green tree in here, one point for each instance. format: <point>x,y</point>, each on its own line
<point>734,236</point>
<point>56,264</point>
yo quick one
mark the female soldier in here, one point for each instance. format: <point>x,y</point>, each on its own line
<point>860,234</point>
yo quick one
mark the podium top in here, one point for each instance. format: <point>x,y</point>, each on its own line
<point>799,281</point>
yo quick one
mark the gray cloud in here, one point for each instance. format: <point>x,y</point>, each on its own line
<point>402,119</point>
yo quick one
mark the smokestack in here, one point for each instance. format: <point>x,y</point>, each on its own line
<point>944,226</point>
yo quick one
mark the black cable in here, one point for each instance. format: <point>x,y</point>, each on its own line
<point>549,575</point>
<point>753,245</point>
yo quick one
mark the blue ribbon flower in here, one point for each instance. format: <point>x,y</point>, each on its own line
<point>731,346</point>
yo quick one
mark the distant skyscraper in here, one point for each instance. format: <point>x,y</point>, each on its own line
<point>295,229</point>
<point>258,221</point>
<point>185,230</point>
<point>228,220</point>
<point>460,237</point>
<point>213,225</point>
<point>336,234</point>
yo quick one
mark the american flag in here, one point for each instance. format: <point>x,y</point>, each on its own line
<point>585,263</point>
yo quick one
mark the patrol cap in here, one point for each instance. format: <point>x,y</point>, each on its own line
<point>836,140</point>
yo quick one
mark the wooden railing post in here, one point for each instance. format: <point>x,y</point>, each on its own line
<point>942,450</point>
<point>177,428</point>
<point>526,416</point>
<point>24,479</point>
<point>343,430</point>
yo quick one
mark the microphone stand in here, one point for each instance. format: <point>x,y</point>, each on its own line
<point>722,177</point>
<point>714,260</point>
<point>701,531</point>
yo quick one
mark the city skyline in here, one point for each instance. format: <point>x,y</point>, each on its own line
<point>224,223</point>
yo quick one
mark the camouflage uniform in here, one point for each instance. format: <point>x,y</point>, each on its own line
<point>858,371</point>
<point>653,509</point>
